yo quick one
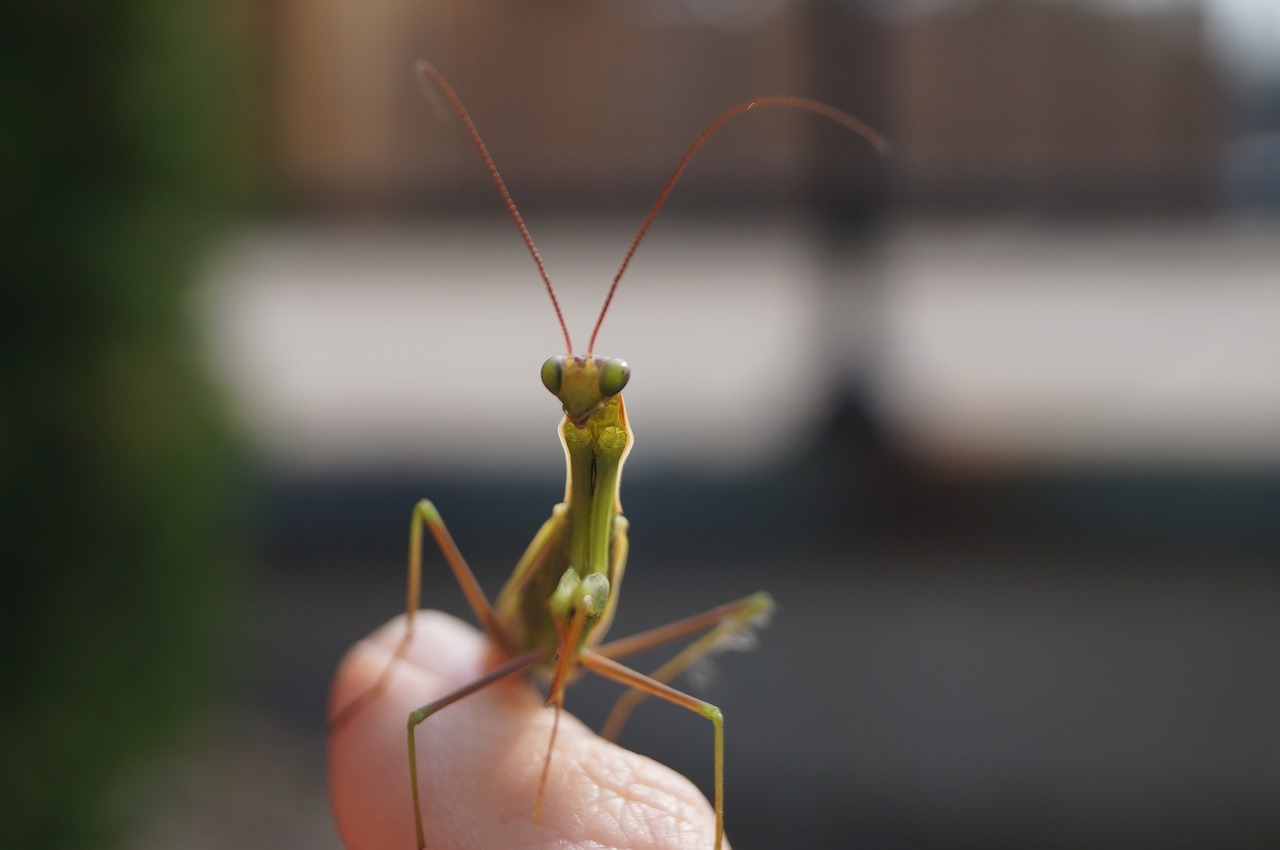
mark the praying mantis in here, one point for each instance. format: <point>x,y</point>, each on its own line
<point>556,608</point>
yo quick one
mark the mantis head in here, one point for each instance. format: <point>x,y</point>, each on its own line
<point>583,384</point>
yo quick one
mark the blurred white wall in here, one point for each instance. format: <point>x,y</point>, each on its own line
<point>997,343</point>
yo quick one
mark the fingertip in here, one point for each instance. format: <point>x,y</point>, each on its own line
<point>480,759</point>
<point>440,646</point>
<point>368,761</point>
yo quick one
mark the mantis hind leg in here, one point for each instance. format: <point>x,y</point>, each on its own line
<point>425,515</point>
<point>724,622</point>
<point>510,668</point>
<point>622,674</point>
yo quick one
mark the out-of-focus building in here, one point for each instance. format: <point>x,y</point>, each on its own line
<point>1058,106</point>
<point>992,105</point>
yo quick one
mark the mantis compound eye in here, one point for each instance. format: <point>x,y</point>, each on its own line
<point>613,377</point>
<point>553,374</point>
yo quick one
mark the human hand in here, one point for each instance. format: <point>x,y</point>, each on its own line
<point>480,759</point>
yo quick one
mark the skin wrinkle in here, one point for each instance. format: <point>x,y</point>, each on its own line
<point>635,793</point>
<point>600,805</point>
<point>648,801</point>
<point>571,776</point>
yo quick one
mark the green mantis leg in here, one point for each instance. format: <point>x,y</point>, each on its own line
<point>725,622</point>
<point>622,674</point>
<point>426,515</point>
<point>510,668</point>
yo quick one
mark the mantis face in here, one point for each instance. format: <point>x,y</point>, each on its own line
<point>584,384</point>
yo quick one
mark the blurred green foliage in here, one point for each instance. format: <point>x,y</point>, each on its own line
<point>122,149</point>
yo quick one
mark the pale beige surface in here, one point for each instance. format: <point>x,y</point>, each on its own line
<point>1001,342</point>
<point>479,762</point>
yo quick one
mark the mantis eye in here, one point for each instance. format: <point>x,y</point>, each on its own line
<point>553,374</point>
<point>613,376</point>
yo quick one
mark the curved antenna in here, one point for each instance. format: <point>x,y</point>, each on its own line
<point>427,74</point>
<point>814,106</point>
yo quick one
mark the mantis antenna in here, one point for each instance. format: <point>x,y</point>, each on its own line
<point>427,74</point>
<point>814,106</point>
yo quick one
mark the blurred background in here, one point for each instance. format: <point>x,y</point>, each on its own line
<point>996,418</point>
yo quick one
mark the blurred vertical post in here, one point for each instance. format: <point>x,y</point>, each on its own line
<point>849,67</point>
<point>121,150</point>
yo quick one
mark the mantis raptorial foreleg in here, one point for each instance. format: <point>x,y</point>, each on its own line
<point>622,674</point>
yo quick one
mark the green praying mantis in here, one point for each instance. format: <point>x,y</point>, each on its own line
<point>555,610</point>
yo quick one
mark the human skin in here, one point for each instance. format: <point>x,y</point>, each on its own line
<point>479,761</point>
